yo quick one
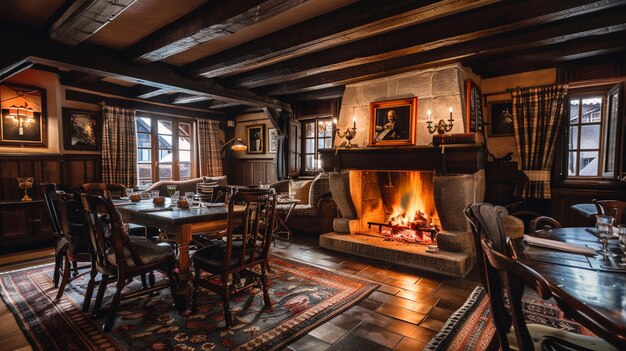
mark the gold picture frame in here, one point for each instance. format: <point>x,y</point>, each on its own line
<point>393,122</point>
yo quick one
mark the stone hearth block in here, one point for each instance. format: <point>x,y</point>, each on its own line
<point>453,192</point>
<point>455,241</point>
<point>456,264</point>
<point>342,225</point>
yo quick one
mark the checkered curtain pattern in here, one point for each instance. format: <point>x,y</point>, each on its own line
<point>210,148</point>
<point>537,117</point>
<point>119,149</point>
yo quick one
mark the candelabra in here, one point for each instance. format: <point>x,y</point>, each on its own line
<point>349,133</point>
<point>441,127</point>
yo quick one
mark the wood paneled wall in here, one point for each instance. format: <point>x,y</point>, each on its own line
<point>68,171</point>
<point>250,172</point>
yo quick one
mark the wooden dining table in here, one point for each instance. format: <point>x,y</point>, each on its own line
<point>179,224</point>
<point>590,289</point>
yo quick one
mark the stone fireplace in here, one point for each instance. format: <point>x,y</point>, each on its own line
<point>379,185</point>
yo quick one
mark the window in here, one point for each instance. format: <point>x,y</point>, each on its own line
<point>164,149</point>
<point>591,134</point>
<point>318,134</point>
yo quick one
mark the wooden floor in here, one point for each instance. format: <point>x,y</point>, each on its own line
<point>406,311</point>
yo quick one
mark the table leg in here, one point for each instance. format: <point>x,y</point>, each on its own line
<point>184,274</point>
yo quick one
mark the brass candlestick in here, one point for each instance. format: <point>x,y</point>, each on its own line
<point>442,127</point>
<point>25,183</point>
<point>349,134</point>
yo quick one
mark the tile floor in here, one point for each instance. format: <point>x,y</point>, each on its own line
<point>404,313</point>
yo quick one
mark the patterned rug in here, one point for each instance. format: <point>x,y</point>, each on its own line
<point>471,326</point>
<point>303,297</point>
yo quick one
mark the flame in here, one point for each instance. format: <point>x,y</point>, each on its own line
<point>414,196</point>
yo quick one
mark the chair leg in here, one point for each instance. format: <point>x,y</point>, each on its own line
<point>121,282</point>
<point>90,286</point>
<point>58,261</point>
<point>101,289</point>
<point>170,276</point>
<point>65,278</point>
<point>151,279</point>
<point>228,316</point>
<point>143,281</point>
<point>194,292</point>
<point>75,269</point>
<point>264,281</point>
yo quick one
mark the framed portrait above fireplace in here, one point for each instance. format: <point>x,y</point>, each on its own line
<point>24,116</point>
<point>393,122</point>
<point>81,129</point>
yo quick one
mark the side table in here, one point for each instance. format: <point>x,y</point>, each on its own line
<point>281,223</point>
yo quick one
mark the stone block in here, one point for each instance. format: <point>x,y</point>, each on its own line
<point>414,85</point>
<point>352,96</point>
<point>445,82</point>
<point>378,91</point>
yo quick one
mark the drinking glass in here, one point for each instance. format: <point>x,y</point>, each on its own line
<point>171,189</point>
<point>622,243</point>
<point>264,184</point>
<point>604,228</point>
<point>129,191</point>
<point>154,193</point>
<point>175,196</point>
<point>189,195</point>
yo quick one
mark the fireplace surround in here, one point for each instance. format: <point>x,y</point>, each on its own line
<point>457,180</point>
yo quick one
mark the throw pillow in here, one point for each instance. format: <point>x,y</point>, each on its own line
<point>300,189</point>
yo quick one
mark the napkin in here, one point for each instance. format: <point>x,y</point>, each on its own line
<point>559,245</point>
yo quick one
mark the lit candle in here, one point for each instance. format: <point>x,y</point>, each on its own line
<point>429,117</point>
<point>334,124</point>
<point>335,121</point>
<point>354,122</point>
<point>450,112</point>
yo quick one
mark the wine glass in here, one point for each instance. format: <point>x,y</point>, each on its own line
<point>171,189</point>
<point>622,243</point>
<point>129,191</point>
<point>175,196</point>
<point>189,195</point>
<point>604,228</point>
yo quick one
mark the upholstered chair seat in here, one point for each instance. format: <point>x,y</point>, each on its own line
<point>146,251</point>
<point>211,258</point>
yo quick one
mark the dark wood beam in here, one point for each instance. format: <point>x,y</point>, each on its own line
<point>188,99</point>
<point>462,27</point>
<point>500,43</point>
<point>273,116</point>
<point>322,94</point>
<point>140,105</point>
<point>549,56</point>
<point>352,22</point>
<point>11,65</point>
<point>210,21</point>
<point>85,17</point>
<point>145,92</point>
<point>81,77</point>
<point>101,61</point>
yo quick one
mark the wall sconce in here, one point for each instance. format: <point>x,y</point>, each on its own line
<point>238,144</point>
<point>349,133</point>
<point>440,127</point>
<point>22,117</point>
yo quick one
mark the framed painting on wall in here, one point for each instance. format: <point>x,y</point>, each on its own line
<point>24,116</point>
<point>473,108</point>
<point>500,118</point>
<point>255,136</point>
<point>393,122</point>
<point>272,145</point>
<point>81,129</point>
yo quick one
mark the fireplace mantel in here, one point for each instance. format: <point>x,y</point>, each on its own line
<point>457,158</point>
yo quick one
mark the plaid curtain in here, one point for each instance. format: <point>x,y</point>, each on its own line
<point>537,117</point>
<point>119,150</point>
<point>210,148</point>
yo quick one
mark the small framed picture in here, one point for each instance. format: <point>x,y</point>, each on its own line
<point>500,118</point>
<point>393,122</point>
<point>272,145</point>
<point>255,137</point>
<point>23,116</point>
<point>473,108</point>
<point>81,129</point>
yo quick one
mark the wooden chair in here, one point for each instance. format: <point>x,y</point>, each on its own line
<point>515,276</point>
<point>60,243</point>
<point>487,223</point>
<point>76,235</point>
<point>117,256</point>
<point>613,208</point>
<point>115,191</point>
<point>543,223</point>
<point>243,250</point>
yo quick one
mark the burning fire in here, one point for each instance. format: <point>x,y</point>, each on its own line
<point>414,217</point>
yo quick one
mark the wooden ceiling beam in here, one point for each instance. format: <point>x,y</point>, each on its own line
<point>321,94</point>
<point>188,99</point>
<point>359,20</point>
<point>447,31</point>
<point>210,21</point>
<point>11,65</point>
<point>501,43</point>
<point>83,18</point>
<point>147,92</point>
<point>101,61</point>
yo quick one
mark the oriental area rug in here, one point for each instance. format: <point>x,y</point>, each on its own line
<point>471,327</point>
<point>303,297</point>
